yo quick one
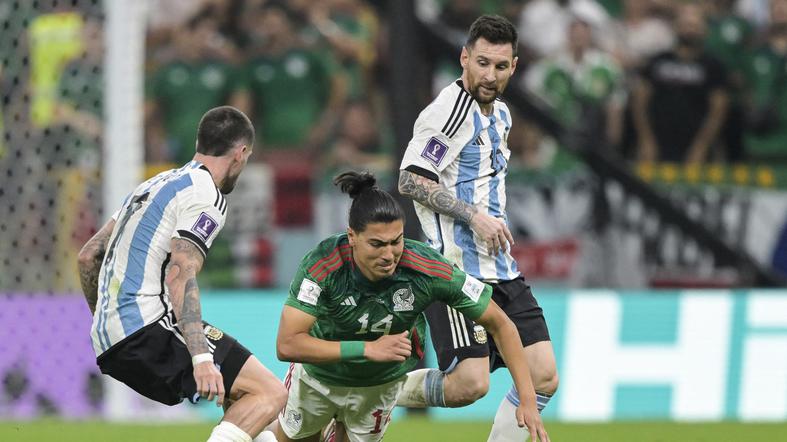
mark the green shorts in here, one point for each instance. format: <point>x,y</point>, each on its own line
<point>364,411</point>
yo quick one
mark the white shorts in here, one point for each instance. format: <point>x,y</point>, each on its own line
<point>365,411</point>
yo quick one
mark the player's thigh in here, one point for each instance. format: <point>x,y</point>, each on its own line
<point>454,337</point>
<point>254,378</point>
<point>310,405</point>
<point>368,411</point>
<point>543,368</point>
<point>153,362</point>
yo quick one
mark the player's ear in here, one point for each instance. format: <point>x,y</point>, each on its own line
<point>464,57</point>
<point>351,236</point>
<point>513,65</point>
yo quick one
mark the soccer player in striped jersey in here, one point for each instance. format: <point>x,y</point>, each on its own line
<point>352,324</point>
<point>139,276</point>
<point>454,168</point>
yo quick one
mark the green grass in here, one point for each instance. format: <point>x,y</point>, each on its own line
<point>409,430</point>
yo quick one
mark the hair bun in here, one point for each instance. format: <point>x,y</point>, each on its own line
<point>354,183</point>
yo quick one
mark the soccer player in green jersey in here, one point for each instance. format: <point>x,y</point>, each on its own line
<point>352,324</point>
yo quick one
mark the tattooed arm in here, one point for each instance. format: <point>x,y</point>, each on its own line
<point>89,263</point>
<point>181,278</point>
<point>433,195</point>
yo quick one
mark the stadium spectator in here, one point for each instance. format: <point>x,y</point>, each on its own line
<point>294,91</point>
<point>729,39</point>
<point>353,326</point>
<point>641,34</point>
<point>351,29</point>
<point>766,79</point>
<point>139,277</point>
<point>582,83</point>
<point>362,144</point>
<point>680,102</point>
<point>198,76</point>
<point>455,168</point>
<point>544,23</point>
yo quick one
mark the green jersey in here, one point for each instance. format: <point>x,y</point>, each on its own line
<point>349,307</point>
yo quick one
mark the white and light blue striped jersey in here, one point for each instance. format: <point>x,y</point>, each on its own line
<point>467,152</point>
<point>179,203</point>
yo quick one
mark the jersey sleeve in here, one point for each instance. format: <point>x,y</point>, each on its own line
<point>201,216</point>
<point>465,293</point>
<point>305,291</point>
<point>431,150</point>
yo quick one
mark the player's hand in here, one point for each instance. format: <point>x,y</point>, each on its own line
<point>209,381</point>
<point>493,231</point>
<point>388,348</point>
<point>530,418</point>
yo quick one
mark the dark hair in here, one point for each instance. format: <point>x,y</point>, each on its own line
<point>494,29</point>
<point>223,128</point>
<point>370,203</point>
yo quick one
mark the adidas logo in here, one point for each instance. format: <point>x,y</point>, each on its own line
<point>349,301</point>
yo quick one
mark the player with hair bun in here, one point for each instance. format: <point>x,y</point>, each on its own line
<point>352,324</point>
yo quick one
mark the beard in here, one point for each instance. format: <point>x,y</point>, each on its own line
<point>476,94</point>
<point>228,184</point>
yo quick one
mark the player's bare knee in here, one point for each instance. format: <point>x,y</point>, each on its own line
<point>546,381</point>
<point>467,391</point>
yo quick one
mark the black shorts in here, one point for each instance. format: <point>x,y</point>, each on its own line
<point>456,338</point>
<point>155,363</point>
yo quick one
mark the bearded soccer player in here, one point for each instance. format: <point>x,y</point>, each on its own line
<point>139,276</point>
<point>454,169</point>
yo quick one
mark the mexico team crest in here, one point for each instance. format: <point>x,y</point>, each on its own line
<point>213,333</point>
<point>403,300</point>
<point>294,420</point>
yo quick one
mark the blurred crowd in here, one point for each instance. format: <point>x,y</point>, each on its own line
<point>305,72</point>
<point>659,80</point>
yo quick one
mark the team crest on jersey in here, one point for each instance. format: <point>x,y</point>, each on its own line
<point>403,300</point>
<point>204,226</point>
<point>435,151</point>
<point>213,333</point>
<point>294,420</point>
<point>309,292</point>
<point>479,334</point>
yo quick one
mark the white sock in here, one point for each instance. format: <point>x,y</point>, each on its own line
<point>265,436</point>
<point>505,428</point>
<point>228,432</point>
<point>423,388</point>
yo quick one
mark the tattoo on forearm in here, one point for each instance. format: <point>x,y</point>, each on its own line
<point>96,247</point>
<point>190,321</point>
<point>434,196</point>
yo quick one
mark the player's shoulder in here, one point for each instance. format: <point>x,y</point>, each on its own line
<point>423,260</point>
<point>203,187</point>
<point>448,110</point>
<point>327,257</point>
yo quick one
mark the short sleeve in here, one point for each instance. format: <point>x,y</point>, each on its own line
<point>466,294</point>
<point>201,216</point>
<point>304,292</point>
<point>431,149</point>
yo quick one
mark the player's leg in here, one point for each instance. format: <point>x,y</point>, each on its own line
<point>462,355</point>
<point>518,302</point>
<point>254,396</point>
<point>367,411</point>
<point>257,397</point>
<point>310,407</point>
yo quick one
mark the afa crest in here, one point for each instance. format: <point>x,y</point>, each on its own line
<point>479,334</point>
<point>213,333</point>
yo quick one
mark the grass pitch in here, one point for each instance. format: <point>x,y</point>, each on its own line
<point>409,430</point>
